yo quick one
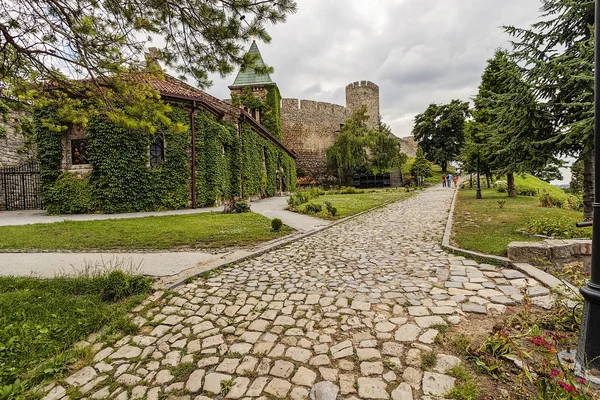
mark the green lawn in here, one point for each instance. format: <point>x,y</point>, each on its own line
<point>196,231</point>
<point>350,204</point>
<point>480,225</point>
<point>41,320</point>
<point>437,171</point>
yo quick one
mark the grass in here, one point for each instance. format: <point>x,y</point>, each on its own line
<point>41,320</point>
<point>481,225</point>
<point>350,204</point>
<point>197,231</point>
<point>437,171</point>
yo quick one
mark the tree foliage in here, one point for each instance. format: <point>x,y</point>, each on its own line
<point>421,167</point>
<point>94,49</point>
<point>440,131</point>
<point>358,149</point>
<point>558,55</point>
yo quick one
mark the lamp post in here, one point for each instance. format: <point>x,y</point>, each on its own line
<point>478,196</point>
<point>588,350</point>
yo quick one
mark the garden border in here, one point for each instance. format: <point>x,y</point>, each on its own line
<point>545,278</point>
<point>173,281</point>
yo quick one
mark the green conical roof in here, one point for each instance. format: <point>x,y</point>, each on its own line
<point>249,76</point>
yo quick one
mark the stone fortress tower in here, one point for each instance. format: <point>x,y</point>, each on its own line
<point>367,93</point>
<point>309,127</point>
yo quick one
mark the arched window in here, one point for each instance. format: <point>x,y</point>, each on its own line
<point>157,152</point>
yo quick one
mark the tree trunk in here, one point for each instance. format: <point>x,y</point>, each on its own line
<point>444,166</point>
<point>588,185</point>
<point>471,181</point>
<point>488,177</point>
<point>510,180</point>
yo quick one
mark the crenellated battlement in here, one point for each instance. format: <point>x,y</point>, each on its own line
<point>363,84</point>
<point>311,105</point>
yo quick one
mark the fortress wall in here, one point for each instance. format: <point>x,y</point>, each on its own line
<point>309,128</point>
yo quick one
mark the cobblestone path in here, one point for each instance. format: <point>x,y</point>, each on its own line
<point>342,314</point>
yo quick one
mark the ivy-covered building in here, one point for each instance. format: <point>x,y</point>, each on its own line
<point>224,152</point>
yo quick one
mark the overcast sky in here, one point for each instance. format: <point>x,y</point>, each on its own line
<point>417,51</point>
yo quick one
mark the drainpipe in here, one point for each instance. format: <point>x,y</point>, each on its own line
<point>193,131</point>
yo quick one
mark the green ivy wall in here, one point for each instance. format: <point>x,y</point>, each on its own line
<point>122,181</point>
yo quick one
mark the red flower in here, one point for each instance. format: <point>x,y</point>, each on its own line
<point>581,380</point>
<point>554,373</point>
<point>567,387</point>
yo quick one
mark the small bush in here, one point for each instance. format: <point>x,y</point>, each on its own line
<point>276,224</point>
<point>350,190</point>
<point>312,208</point>
<point>559,227</point>
<point>300,197</point>
<point>242,207</point>
<point>68,195</point>
<point>118,285</point>
<point>501,186</point>
<point>501,203</point>
<point>330,208</point>
<point>551,200</point>
<point>525,191</point>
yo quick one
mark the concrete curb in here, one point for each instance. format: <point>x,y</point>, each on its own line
<point>545,278</point>
<point>236,257</point>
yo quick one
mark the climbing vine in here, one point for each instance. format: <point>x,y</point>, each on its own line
<point>121,179</point>
<point>270,107</point>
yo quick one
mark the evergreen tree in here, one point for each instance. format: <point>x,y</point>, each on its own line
<point>558,52</point>
<point>440,131</point>
<point>421,167</point>
<point>522,129</point>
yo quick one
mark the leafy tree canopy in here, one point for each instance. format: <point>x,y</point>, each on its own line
<point>440,131</point>
<point>103,41</point>
<point>358,149</point>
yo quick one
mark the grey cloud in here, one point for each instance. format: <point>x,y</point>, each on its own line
<point>417,51</point>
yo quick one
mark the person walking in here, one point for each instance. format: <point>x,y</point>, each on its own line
<point>449,179</point>
<point>444,180</point>
<point>455,181</point>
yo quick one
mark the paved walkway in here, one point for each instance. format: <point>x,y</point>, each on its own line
<point>158,264</point>
<point>349,310</point>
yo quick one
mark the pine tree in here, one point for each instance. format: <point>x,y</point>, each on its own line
<point>558,52</point>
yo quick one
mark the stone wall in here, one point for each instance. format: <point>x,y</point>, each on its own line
<point>409,146</point>
<point>11,144</point>
<point>552,253</point>
<point>364,93</point>
<point>309,128</point>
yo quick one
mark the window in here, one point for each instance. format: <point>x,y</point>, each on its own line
<point>157,152</point>
<point>79,154</point>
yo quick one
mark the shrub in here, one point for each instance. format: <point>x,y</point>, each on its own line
<point>559,227</point>
<point>330,208</point>
<point>350,190</point>
<point>501,203</point>
<point>525,191</point>
<point>312,208</point>
<point>242,207</point>
<point>276,224</point>
<point>574,202</point>
<point>551,200</point>
<point>118,285</point>
<point>501,186</point>
<point>68,195</point>
<point>300,197</point>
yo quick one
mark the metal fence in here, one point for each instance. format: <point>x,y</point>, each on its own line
<point>366,181</point>
<point>20,187</point>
